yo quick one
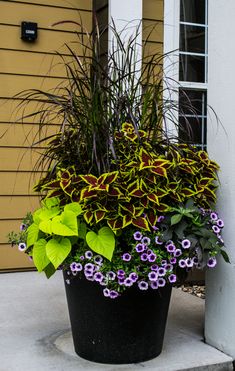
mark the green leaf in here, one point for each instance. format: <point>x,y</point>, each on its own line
<point>75,207</point>
<point>58,250</point>
<point>82,229</point>
<point>49,270</point>
<point>65,224</point>
<point>40,258</point>
<point>46,226</point>
<point>175,219</point>
<point>102,243</point>
<point>180,229</point>
<point>47,214</point>
<point>36,217</point>
<point>32,234</point>
<point>225,256</point>
<point>50,202</point>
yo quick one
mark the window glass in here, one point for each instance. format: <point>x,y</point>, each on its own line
<point>192,39</point>
<point>192,68</point>
<point>192,130</point>
<point>192,102</point>
<point>193,11</point>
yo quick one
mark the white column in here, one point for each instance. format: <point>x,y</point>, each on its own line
<point>220,294</point>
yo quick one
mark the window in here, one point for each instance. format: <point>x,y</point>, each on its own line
<point>193,30</point>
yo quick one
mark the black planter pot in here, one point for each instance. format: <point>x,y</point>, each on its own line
<point>128,329</point>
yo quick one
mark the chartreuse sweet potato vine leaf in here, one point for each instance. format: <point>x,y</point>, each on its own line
<point>57,250</point>
<point>65,224</point>
<point>102,243</point>
<point>32,234</point>
<point>40,257</point>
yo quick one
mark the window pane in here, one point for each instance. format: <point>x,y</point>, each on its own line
<point>192,39</point>
<point>192,102</point>
<point>192,130</point>
<point>193,11</point>
<point>192,68</point>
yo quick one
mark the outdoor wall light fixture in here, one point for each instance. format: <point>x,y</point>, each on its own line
<point>29,31</point>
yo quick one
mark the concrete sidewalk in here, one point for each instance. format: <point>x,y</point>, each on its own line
<point>35,334</point>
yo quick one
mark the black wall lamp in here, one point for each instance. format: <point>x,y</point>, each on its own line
<point>29,31</point>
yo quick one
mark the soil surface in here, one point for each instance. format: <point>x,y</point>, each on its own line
<point>197,290</point>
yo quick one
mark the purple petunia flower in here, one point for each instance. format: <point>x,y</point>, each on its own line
<point>126,257</point>
<point>98,259</point>
<point>88,254</point>
<point>89,267</point>
<point>195,260</point>
<point>133,276</point>
<point>171,248</point>
<point>177,253</point>
<point>144,257</point>
<point>154,285</point>
<point>152,257</point>
<point>157,241</point>
<point>213,216</point>
<point>128,282</point>
<point>111,275</point>
<point>90,277</point>
<point>155,228</point>
<point>160,218</point>
<point>189,262</point>
<point>140,247</point>
<point>73,267</point>
<point>172,278</point>
<point>146,240</point>
<point>143,285</point>
<point>161,271</point>
<point>149,251</point>
<point>211,263</point>
<point>169,267</point>
<point>98,276</point>
<point>182,263</point>
<point>161,282</point>
<point>137,236</point>
<point>153,276</point>
<point>121,273</point>
<point>186,244</point>
<point>220,223</point>
<point>173,260</point>
<point>121,280</point>
<point>22,246</point>
<point>104,281</point>
<point>23,227</point>
<point>82,257</point>
<point>164,262</point>
<point>154,267</point>
<point>106,292</point>
<point>113,294</point>
<point>78,267</point>
<point>216,229</point>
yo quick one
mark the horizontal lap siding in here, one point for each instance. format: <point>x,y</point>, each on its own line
<point>24,66</point>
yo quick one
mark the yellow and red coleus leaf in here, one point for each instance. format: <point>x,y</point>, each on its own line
<point>162,163</point>
<point>127,127</point>
<point>89,179</point>
<point>64,183</point>
<point>127,219</point>
<point>153,197</point>
<point>158,170</point>
<point>114,191</point>
<point>145,159</point>
<point>107,178</point>
<point>128,208</point>
<point>163,208</point>
<point>99,215</point>
<point>152,217</point>
<point>141,223</point>
<point>187,192</point>
<point>209,194</point>
<point>115,224</point>
<point>137,193</point>
<point>88,216</point>
<point>86,194</point>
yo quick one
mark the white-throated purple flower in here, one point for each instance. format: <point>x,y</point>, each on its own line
<point>172,278</point>
<point>195,260</point>
<point>152,258</point>
<point>211,263</point>
<point>88,254</point>
<point>186,244</point>
<point>104,281</point>
<point>161,271</point>
<point>89,267</point>
<point>169,267</point>
<point>98,276</point>
<point>22,246</point>
<point>182,263</point>
<point>157,240</point>
<point>78,267</point>
<point>106,292</point>
<point>128,282</point>
<point>143,285</point>
<point>154,267</point>
<point>121,280</point>
<point>144,257</point>
<point>113,294</point>
<point>220,223</point>
<point>73,267</point>
<point>98,259</point>
<point>146,241</point>
<point>189,262</point>
<point>160,218</point>
<point>161,282</point>
<point>213,216</point>
<point>23,227</point>
<point>177,253</point>
<point>126,257</point>
<point>216,229</point>
<point>140,247</point>
<point>82,257</point>
<point>137,236</point>
<point>90,277</point>
<point>170,248</point>
<point>153,276</point>
<point>133,276</point>
<point>154,285</point>
<point>155,228</point>
<point>163,262</point>
<point>111,275</point>
<point>173,260</point>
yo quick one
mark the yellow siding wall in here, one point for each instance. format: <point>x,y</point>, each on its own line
<point>24,65</point>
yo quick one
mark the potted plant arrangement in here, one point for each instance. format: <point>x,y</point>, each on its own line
<point>126,212</point>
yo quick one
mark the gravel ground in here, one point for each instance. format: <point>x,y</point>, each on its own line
<point>197,290</point>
